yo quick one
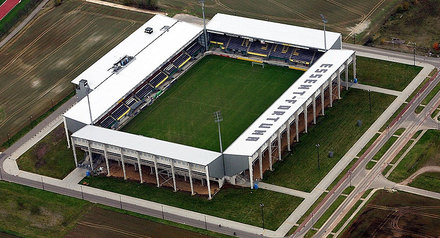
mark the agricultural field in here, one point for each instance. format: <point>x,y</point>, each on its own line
<point>342,16</point>
<point>184,114</point>
<point>413,21</point>
<point>39,63</point>
<point>396,215</point>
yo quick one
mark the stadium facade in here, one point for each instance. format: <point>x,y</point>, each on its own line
<point>136,72</point>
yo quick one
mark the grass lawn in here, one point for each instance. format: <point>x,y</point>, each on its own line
<point>30,212</point>
<point>419,109</point>
<point>399,131</point>
<point>352,162</point>
<point>238,204</point>
<point>348,215</point>
<point>184,113</point>
<point>384,74</point>
<point>385,148</point>
<point>370,165</point>
<point>428,181</point>
<point>424,153</point>
<point>407,145</point>
<point>337,131</point>
<point>50,156</point>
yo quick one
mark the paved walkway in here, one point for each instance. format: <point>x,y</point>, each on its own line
<point>376,89</point>
<point>119,6</point>
<point>425,169</point>
<point>417,191</point>
<point>284,190</point>
<point>75,177</point>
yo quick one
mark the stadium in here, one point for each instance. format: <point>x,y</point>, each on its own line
<point>145,109</point>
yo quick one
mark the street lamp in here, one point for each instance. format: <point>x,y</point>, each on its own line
<point>262,213</point>
<point>324,20</point>
<point>369,98</point>
<point>317,149</point>
<point>204,24</point>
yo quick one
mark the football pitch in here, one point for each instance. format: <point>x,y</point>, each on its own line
<point>184,113</point>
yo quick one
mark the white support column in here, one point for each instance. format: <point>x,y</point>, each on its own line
<point>314,109</point>
<point>322,100</point>
<point>90,155</point>
<point>354,66</point>
<point>174,176</point>
<point>339,83</point>
<point>208,182</point>
<point>123,165</point>
<point>156,171</point>
<point>346,75</point>
<point>140,167</point>
<point>260,160</point>
<point>74,152</point>
<point>330,91</point>
<point>296,126</point>
<point>305,116</point>
<point>190,178</point>
<point>67,132</point>
<point>288,135</point>
<point>251,173</point>
<point>279,145</point>
<point>269,146</point>
<point>106,160</point>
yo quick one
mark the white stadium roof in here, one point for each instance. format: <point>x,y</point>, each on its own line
<point>272,31</point>
<point>147,145</point>
<point>300,93</point>
<point>101,69</point>
<point>166,44</point>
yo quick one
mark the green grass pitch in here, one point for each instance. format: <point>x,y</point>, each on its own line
<point>184,113</point>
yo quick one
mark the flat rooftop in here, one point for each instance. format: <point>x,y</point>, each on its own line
<point>273,32</point>
<point>293,98</point>
<point>155,147</point>
<point>167,43</point>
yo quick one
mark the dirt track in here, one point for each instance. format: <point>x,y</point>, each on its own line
<point>419,172</point>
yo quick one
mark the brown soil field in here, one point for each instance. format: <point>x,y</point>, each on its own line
<point>397,215</point>
<point>61,42</point>
<point>99,222</point>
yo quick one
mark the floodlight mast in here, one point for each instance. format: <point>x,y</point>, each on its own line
<point>218,118</point>
<point>86,85</point>
<point>204,24</point>
<point>324,20</point>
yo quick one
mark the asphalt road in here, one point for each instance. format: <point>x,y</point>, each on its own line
<point>358,172</point>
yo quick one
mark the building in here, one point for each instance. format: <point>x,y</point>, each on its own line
<point>144,65</point>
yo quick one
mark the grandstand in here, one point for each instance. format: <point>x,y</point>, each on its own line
<point>135,73</point>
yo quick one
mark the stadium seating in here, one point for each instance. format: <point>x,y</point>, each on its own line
<point>158,79</point>
<point>302,56</point>
<point>145,90</point>
<point>281,52</point>
<point>219,39</point>
<point>181,60</point>
<point>259,49</point>
<point>318,55</point>
<point>169,68</point>
<point>120,111</point>
<point>107,122</point>
<point>130,101</point>
<point>194,48</point>
<point>238,44</point>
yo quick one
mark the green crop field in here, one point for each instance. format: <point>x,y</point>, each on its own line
<point>39,63</point>
<point>184,113</point>
<point>342,15</point>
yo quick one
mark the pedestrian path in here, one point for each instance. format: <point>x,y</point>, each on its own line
<point>376,89</point>
<point>75,177</point>
<point>284,190</point>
